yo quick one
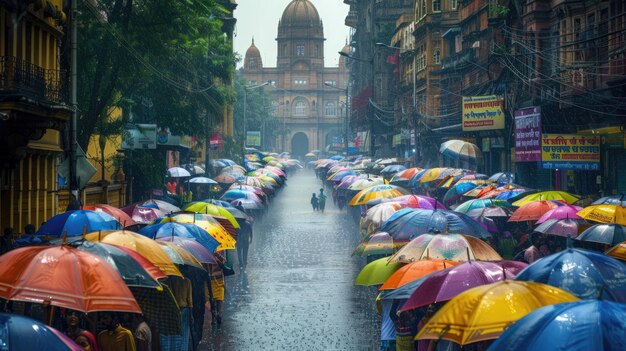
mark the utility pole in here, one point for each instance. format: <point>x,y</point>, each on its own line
<point>74,186</point>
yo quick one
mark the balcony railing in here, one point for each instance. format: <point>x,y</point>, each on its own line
<point>24,78</point>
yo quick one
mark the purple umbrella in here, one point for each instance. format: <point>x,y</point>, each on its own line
<point>448,283</point>
<point>195,248</point>
<point>567,227</point>
<point>420,201</point>
<point>488,216</point>
<point>561,212</point>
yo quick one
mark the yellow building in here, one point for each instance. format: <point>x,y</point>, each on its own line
<point>33,110</point>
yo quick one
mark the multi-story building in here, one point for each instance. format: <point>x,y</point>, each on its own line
<point>33,109</point>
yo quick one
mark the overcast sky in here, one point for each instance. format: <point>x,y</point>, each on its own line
<point>259,18</point>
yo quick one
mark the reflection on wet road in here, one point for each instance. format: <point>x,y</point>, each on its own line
<point>298,290</point>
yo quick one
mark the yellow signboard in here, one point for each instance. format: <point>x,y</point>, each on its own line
<point>482,113</point>
<point>570,151</point>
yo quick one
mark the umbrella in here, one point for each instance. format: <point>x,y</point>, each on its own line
<point>408,223</point>
<point>339,175</point>
<point>448,283</point>
<point>65,277</point>
<point>419,201</point>
<point>77,222</point>
<point>183,230</point>
<point>378,214</point>
<point>502,177</point>
<point>178,172</point>
<point>376,272</point>
<point>21,333</point>
<point>248,204</point>
<point>509,194</point>
<point>376,244</point>
<point>611,200</point>
<point>455,247</point>
<point>480,190</point>
<point>581,325</point>
<point>212,209</point>
<point>202,180</point>
<point>460,150</point>
<point>144,246</point>
<point>611,234</point>
<point>145,215</point>
<point>489,217</point>
<point>377,192</point>
<point>164,206</point>
<point>584,274</point>
<point>391,169</point>
<point>484,312</point>
<point>310,154</point>
<point>438,173</point>
<point>235,194</point>
<point>548,195</point>
<point>114,212</point>
<point>361,184</point>
<point>604,214</point>
<point>457,191</point>
<point>179,256</point>
<point>225,178</point>
<point>561,212</point>
<point>534,210</point>
<point>480,203</point>
<point>208,224</point>
<point>562,227</point>
<point>408,173</point>
<point>193,247</point>
<point>414,271</point>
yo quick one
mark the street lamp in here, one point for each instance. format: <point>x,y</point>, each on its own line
<point>245,110</point>
<point>341,53</point>
<point>347,119</point>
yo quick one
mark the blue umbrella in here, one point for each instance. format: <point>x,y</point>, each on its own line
<point>408,223</point>
<point>506,195</point>
<point>337,177</point>
<point>456,192</point>
<point>585,274</point>
<point>581,325</point>
<point>235,194</point>
<point>618,200</point>
<point>503,177</point>
<point>77,222</point>
<point>611,234</point>
<point>336,158</point>
<point>190,231</point>
<point>19,333</point>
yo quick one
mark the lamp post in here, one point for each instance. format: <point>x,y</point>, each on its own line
<point>347,116</point>
<point>245,111</point>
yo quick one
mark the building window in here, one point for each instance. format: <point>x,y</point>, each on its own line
<point>300,82</point>
<point>330,82</point>
<point>299,50</point>
<point>436,5</point>
<point>300,108</point>
<point>330,109</point>
<point>252,64</point>
<point>437,57</point>
<point>284,53</point>
<point>453,4</point>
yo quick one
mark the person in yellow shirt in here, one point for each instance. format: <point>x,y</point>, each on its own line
<point>114,337</point>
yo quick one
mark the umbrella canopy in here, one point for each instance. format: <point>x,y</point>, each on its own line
<point>484,312</point>
<point>448,283</point>
<point>376,272</point>
<point>604,214</point>
<point>584,274</point>
<point>78,222</point>
<point>618,251</point>
<point>392,169</point>
<point>460,150</point>
<point>164,206</point>
<point>208,224</point>
<point>145,215</point>
<point>562,227</point>
<point>339,175</point>
<point>561,212</point>
<point>375,244</point>
<point>480,203</point>
<point>226,178</point>
<point>178,172</point>
<point>457,191</point>
<point>212,209</point>
<point>21,333</point>
<point>408,173</point>
<point>248,204</point>
<point>438,173</point>
<point>202,180</point>
<point>65,277</point>
<point>490,217</point>
<point>618,200</point>
<point>173,229</point>
<point>548,195</point>
<point>455,247</point>
<point>144,246</point>
<point>193,247</point>
<point>377,192</point>
<point>581,325</point>
<point>408,223</point>
<point>235,194</point>
<point>419,201</point>
<point>179,256</point>
<point>361,184</point>
<point>502,177</point>
<point>610,234</point>
<point>509,194</point>
<point>534,210</point>
<point>114,212</point>
<point>414,271</point>
<point>378,214</point>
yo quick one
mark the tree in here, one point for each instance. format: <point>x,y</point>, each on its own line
<point>258,107</point>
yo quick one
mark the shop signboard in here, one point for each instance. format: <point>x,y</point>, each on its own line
<point>528,134</point>
<point>139,136</point>
<point>396,140</point>
<point>253,138</point>
<point>613,140</point>
<point>482,113</point>
<point>570,151</point>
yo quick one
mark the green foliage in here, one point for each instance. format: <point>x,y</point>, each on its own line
<point>259,109</point>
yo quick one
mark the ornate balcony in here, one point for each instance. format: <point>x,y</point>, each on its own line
<point>21,78</point>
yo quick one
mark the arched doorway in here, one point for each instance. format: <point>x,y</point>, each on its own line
<point>299,145</point>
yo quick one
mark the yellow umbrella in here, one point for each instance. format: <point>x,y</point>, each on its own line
<point>438,173</point>
<point>618,251</point>
<point>383,191</point>
<point>310,154</point>
<point>212,209</point>
<point>604,214</point>
<point>144,246</point>
<point>484,312</point>
<point>547,195</point>
<point>209,224</point>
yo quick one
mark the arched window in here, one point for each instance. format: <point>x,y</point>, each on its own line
<point>437,57</point>
<point>330,109</point>
<point>252,64</point>
<point>300,108</point>
<point>300,50</point>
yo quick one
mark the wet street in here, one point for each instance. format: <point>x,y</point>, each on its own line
<point>297,291</point>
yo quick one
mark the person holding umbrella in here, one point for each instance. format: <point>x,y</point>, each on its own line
<point>114,337</point>
<point>321,200</point>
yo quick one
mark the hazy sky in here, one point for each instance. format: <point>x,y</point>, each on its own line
<point>259,18</point>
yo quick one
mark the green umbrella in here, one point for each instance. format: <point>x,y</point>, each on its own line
<point>376,272</point>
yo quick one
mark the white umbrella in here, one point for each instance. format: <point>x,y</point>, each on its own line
<point>178,172</point>
<point>202,180</point>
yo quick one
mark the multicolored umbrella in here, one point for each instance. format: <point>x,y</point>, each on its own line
<point>208,223</point>
<point>213,210</point>
<point>480,203</point>
<point>484,312</point>
<point>604,214</point>
<point>376,244</point>
<point>378,214</point>
<point>376,272</point>
<point>534,210</point>
<point>193,247</point>
<point>584,274</point>
<point>562,227</point>
<point>480,190</point>
<point>438,173</point>
<point>377,192</point>
<point>448,283</point>
<point>581,325</point>
<point>455,247</point>
<point>414,271</point>
<point>460,150</point>
<point>361,184</point>
<point>20,333</point>
<point>457,191</point>
<point>419,201</point>
<point>610,234</point>
<point>168,229</point>
<point>144,215</point>
<point>561,212</point>
<point>225,178</point>
<point>491,217</point>
<point>408,173</point>
<point>114,212</point>
<point>65,277</point>
<point>78,222</point>
<point>548,195</point>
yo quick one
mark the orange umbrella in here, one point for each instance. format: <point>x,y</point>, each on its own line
<point>115,212</point>
<point>414,271</point>
<point>532,211</point>
<point>65,277</point>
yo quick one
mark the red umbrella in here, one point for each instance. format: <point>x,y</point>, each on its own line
<point>115,212</point>
<point>532,211</point>
<point>419,201</point>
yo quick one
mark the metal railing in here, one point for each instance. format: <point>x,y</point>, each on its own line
<point>18,76</point>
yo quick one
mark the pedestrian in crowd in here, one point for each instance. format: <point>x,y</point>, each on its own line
<point>114,337</point>
<point>314,202</point>
<point>6,240</point>
<point>171,186</point>
<point>87,341</point>
<point>322,200</point>
<point>29,237</point>
<point>72,324</point>
<point>244,240</point>
<point>181,289</point>
<point>507,245</point>
<point>215,295</point>
<point>74,203</point>
<point>141,333</point>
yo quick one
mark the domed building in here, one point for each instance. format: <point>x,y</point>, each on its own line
<point>309,99</point>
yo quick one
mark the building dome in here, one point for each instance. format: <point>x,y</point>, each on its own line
<point>252,59</point>
<point>300,13</point>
